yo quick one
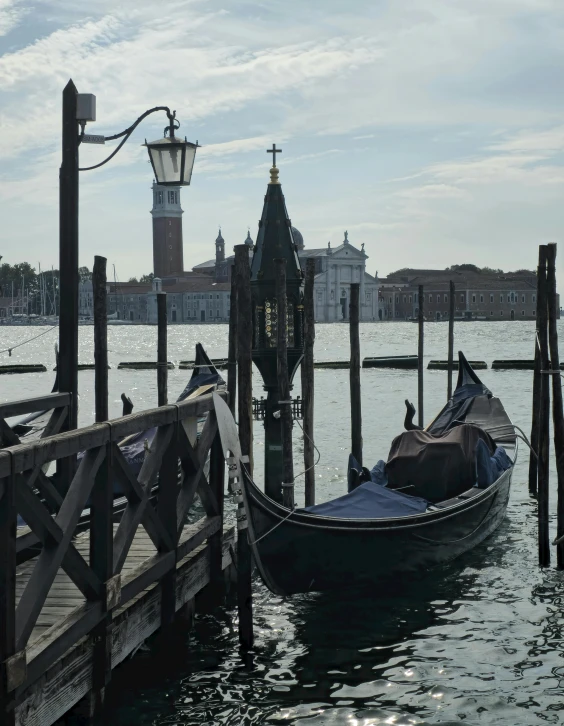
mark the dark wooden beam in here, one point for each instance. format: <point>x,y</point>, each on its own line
<point>356,402</point>
<point>308,393</point>
<point>33,405</point>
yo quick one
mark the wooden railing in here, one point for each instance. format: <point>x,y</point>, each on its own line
<point>58,403</point>
<point>25,489</point>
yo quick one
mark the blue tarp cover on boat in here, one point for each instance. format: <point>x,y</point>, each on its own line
<point>370,501</point>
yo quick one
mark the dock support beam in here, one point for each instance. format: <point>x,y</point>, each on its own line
<point>7,597</point>
<point>307,374</point>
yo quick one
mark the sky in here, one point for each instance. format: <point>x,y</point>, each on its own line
<point>431,130</point>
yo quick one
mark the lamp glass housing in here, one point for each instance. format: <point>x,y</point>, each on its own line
<point>172,160</point>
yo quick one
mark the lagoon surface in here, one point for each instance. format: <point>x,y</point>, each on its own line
<point>480,641</point>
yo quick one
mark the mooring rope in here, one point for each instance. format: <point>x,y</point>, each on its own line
<point>13,347</point>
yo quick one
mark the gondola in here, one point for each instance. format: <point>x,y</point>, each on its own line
<point>383,530</point>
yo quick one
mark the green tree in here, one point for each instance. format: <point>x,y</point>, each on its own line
<point>133,279</point>
<point>84,274</point>
<point>147,278</point>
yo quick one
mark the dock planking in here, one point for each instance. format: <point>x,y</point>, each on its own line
<point>66,681</point>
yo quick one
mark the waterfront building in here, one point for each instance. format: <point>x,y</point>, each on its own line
<point>478,295</point>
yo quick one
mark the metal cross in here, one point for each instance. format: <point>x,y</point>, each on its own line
<point>274,151</point>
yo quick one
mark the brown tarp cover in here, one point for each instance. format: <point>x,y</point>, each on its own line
<point>438,467</point>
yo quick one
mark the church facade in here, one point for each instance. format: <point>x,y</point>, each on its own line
<point>336,268</point>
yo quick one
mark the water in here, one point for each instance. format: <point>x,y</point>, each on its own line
<point>478,642</point>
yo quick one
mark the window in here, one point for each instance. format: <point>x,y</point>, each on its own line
<point>173,197</point>
<point>368,297</point>
<point>462,298</point>
<point>446,298</point>
<point>390,298</point>
<point>159,197</point>
<point>534,300</point>
<point>481,298</point>
<point>522,312</point>
<point>410,298</point>
<point>405,298</point>
<point>491,312</point>
<point>397,298</point>
<point>501,298</point>
<point>501,313</point>
<point>534,313</point>
<point>473,298</point>
<point>430,298</point>
<point>491,298</point>
<point>438,298</point>
<point>523,300</point>
<point>509,298</point>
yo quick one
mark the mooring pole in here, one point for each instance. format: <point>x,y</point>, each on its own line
<point>162,356</point>
<point>101,527</point>
<point>420,359</point>
<point>232,349</point>
<point>307,374</point>
<point>68,282</point>
<point>99,294</point>
<point>245,415</point>
<point>544,411</point>
<point>284,401</point>
<point>356,408</point>
<point>450,338</point>
<point>533,455</point>
<point>68,256</point>
<point>557,409</point>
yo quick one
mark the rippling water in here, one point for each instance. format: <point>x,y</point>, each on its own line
<point>478,642</point>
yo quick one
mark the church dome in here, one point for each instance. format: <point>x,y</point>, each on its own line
<point>298,239</point>
<point>249,241</point>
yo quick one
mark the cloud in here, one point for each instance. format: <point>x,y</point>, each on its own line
<point>11,13</point>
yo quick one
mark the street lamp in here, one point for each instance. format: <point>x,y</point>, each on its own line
<point>172,160</point>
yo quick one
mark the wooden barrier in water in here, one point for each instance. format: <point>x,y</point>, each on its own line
<point>22,368</point>
<point>144,365</point>
<point>443,365</point>
<point>71,613</point>
<point>391,361</point>
<point>188,365</point>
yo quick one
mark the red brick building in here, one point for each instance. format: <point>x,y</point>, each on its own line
<point>168,256</point>
<point>478,296</point>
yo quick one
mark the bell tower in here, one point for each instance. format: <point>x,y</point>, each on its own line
<point>168,255</point>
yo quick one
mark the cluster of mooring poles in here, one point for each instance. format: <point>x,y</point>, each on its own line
<point>546,373</point>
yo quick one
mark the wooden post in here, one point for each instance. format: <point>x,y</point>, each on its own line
<point>544,412</point>
<point>450,338</point>
<point>68,256</point>
<point>420,359</point>
<point>67,368</point>
<point>232,350</point>
<point>99,294</point>
<point>245,415</point>
<point>7,596</point>
<point>307,374</point>
<point>162,361</point>
<point>356,409</point>
<point>101,530</point>
<point>217,485</point>
<point>557,407</point>
<point>168,495</point>
<point>284,385</point>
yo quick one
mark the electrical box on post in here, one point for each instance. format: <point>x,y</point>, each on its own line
<point>85,107</point>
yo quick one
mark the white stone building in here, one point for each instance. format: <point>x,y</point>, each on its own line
<point>335,270</point>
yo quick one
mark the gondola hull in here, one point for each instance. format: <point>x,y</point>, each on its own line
<point>309,553</point>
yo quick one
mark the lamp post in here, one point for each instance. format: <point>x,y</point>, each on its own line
<point>275,241</point>
<point>172,160</point>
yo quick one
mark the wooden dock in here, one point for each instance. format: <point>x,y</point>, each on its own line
<point>74,604</point>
